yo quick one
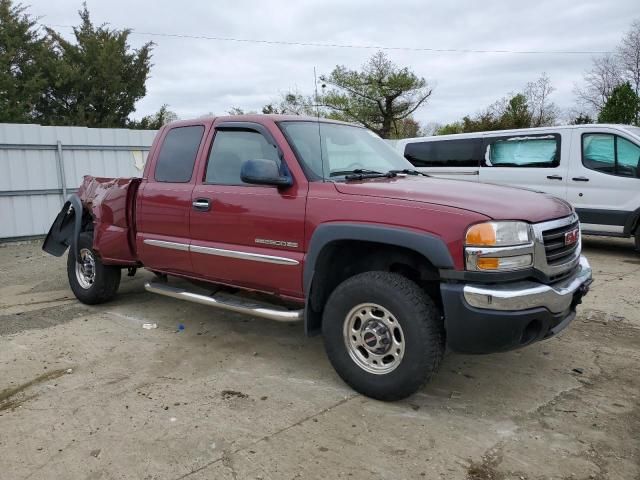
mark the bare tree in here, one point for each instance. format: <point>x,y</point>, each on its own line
<point>629,58</point>
<point>604,76</point>
<point>543,111</point>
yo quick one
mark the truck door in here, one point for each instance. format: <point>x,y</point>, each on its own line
<point>242,234</point>
<point>536,161</point>
<point>604,182</point>
<point>164,201</point>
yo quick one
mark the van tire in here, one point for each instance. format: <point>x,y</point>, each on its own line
<point>91,281</point>
<point>406,323</point>
<point>638,239</point>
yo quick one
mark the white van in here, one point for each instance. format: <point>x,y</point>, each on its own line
<point>595,167</point>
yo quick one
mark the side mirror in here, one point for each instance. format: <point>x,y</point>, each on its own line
<point>264,172</point>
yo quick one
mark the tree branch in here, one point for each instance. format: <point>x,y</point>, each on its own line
<point>347,112</point>
<point>417,105</point>
<point>351,90</point>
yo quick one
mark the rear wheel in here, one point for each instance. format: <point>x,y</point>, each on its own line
<point>90,280</point>
<point>383,334</point>
<point>638,239</point>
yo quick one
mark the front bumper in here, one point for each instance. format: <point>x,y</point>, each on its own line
<point>485,318</point>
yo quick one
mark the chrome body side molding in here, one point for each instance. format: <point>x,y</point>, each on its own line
<point>163,244</point>
<point>256,257</point>
<point>221,252</point>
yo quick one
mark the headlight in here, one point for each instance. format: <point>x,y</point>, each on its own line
<point>498,234</point>
<point>499,246</point>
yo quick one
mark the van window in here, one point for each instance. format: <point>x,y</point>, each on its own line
<point>628,158</point>
<point>178,154</point>
<point>610,154</point>
<point>231,148</point>
<point>445,153</point>
<point>539,152</point>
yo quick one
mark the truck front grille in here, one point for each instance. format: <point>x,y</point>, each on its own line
<point>556,251</point>
<point>552,257</point>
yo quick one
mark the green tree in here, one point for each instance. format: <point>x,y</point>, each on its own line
<point>155,121</point>
<point>96,80</point>
<point>23,54</point>
<point>378,96</point>
<point>582,119</point>
<point>621,107</point>
<point>450,128</point>
<point>516,114</point>
<point>489,119</point>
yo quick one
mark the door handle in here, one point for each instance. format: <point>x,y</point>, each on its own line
<point>580,179</point>
<point>201,204</point>
<point>554,177</point>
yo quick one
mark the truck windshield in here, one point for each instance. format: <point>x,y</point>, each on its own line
<point>333,151</point>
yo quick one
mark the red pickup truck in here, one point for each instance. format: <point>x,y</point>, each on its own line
<point>292,218</point>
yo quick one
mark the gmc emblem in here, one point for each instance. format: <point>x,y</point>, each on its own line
<point>571,237</point>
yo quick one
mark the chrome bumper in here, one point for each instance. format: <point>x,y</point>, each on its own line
<point>523,295</point>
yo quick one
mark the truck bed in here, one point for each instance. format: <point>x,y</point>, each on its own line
<point>111,201</point>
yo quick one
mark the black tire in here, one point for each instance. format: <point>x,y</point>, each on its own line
<point>421,326</point>
<point>106,278</point>
<point>638,239</point>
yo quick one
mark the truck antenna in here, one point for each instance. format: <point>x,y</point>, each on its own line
<point>315,81</point>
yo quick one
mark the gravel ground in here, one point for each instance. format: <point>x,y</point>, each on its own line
<point>86,392</point>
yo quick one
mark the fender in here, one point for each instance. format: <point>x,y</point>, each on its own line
<point>66,228</point>
<point>431,247</point>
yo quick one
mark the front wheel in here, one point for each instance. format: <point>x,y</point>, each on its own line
<point>383,334</point>
<point>90,280</point>
<point>638,239</point>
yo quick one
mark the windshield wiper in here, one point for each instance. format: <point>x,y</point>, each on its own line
<point>338,173</point>
<point>361,173</point>
<point>362,176</point>
<point>408,171</point>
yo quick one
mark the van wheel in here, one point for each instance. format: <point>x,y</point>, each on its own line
<point>383,334</point>
<point>90,280</point>
<point>638,239</point>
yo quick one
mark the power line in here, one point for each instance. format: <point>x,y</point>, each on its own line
<point>355,46</point>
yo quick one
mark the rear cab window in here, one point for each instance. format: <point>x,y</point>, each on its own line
<point>465,152</point>
<point>532,151</point>
<point>178,154</point>
<point>610,154</point>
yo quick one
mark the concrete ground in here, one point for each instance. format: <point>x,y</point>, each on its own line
<point>86,392</point>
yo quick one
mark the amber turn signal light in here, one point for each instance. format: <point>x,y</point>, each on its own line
<point>482,234</point>
<point>488,263</point>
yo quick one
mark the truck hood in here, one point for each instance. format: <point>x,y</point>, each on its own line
<point>495,201</point>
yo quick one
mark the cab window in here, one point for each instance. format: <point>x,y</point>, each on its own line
<point>230,149</point>
<point>178,154</point>
<point>531,151</point>
<point>610,154</point>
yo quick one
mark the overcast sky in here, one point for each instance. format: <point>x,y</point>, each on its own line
<point>196,76</point>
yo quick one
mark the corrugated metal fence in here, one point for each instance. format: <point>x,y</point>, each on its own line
<point>41,166</point>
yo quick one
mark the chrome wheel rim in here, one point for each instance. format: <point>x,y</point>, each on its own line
<point>374,338</point>
<point>86,269</point>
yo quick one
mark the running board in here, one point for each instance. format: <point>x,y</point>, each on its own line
<point>233,305</point>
